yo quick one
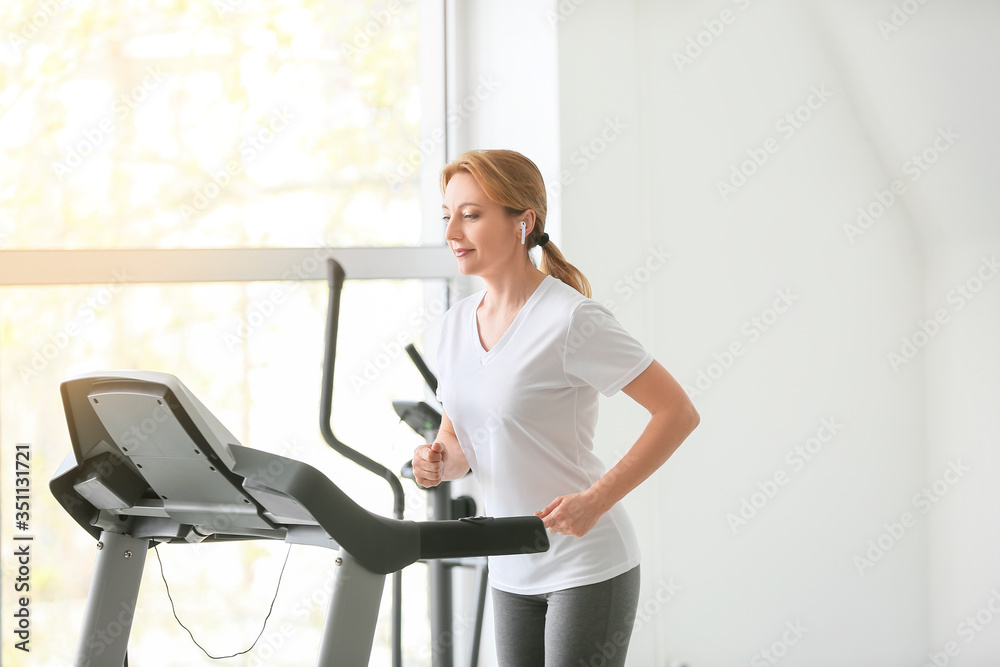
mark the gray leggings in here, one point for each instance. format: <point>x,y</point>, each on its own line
<point>587,626</point>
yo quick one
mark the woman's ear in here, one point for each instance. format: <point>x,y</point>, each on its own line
<point>524,223</point>
<point>528,217</point>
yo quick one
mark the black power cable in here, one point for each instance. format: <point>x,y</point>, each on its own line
<point>259,635</point>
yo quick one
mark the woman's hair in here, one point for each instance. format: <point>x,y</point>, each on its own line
<point>513,181</point>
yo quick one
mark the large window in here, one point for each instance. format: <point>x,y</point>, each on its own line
<point>233,125</point>
<point>256,366</point>
<point>211,123</point>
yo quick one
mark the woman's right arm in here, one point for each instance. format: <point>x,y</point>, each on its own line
<point>442,461</point>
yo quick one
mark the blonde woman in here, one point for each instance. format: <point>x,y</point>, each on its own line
<point>520,367</point>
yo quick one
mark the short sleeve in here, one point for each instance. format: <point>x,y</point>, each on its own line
<point>599,352</point>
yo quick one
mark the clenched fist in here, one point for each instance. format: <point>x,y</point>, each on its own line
<point>428,464</point>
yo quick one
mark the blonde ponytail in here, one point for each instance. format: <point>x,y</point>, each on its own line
<point>554,264</point>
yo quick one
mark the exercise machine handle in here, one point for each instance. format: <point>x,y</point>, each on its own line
<point>482,536</point>
<point>335,282</point>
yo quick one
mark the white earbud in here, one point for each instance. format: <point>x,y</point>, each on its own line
<point>523,226</point>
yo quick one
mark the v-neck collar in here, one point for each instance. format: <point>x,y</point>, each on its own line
<point>482,353</point>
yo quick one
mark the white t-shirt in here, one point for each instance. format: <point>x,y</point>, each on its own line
<point>525,413</point>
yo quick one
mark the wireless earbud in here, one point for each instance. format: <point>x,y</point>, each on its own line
<point>523,227</point>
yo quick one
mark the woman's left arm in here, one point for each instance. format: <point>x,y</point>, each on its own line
<point>672,418</point>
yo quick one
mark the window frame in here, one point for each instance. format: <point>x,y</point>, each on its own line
<point>431,259</point>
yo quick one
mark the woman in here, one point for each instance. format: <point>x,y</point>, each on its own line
<point>520,365</point>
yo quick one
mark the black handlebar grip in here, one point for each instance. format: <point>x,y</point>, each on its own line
<point>482,536</point>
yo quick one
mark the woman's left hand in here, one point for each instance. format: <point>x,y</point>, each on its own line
<point>573,515</point>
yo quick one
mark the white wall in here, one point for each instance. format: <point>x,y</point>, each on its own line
<point>643,141</point>
<point>826,357</point>
<point>944,71</point>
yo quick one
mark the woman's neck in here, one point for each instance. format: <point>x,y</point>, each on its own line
<point>510,291</point>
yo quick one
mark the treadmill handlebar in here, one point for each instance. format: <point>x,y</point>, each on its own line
<point>482,536</point>
<point>381,544</point>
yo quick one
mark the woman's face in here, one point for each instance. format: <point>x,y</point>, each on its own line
<point>484,238</point>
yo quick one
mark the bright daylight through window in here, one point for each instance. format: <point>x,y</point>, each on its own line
<point>212,124</point>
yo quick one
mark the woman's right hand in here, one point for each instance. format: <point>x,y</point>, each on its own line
<point>428,464</point>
